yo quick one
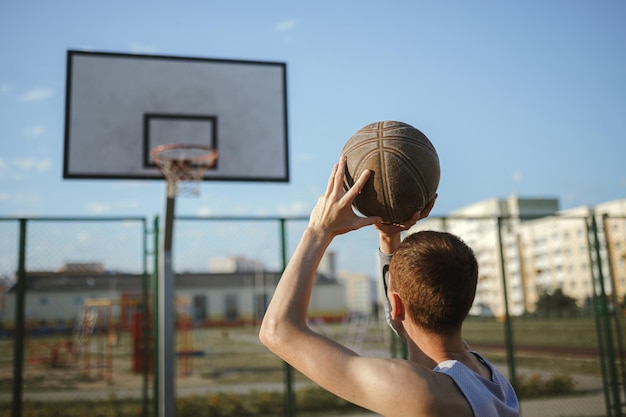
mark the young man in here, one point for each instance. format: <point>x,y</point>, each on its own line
<point>430,289</point>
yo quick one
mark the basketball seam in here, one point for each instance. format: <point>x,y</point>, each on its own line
<point>426,146</point>
<point>390,211</point>
<point>359,168</point>
<point>415,170</point>
<point>375,144</point>
<point>384,186</point>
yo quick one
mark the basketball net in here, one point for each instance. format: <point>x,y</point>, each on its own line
<point>183,167</point>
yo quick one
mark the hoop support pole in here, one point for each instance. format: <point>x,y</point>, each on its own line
<point>167,375</point>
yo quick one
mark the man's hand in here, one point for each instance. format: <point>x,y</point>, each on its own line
<point>333,214</point>
<point>390,233</point>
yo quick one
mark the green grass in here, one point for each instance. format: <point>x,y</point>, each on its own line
<point>235,355</point>
<point>552,333</point>
<point>534,332</point>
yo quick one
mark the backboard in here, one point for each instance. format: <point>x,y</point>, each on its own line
<point>120,106</point>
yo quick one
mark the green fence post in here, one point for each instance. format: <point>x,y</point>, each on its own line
<point>155,320</point>
<point>145,322</point>
<point>617,309</point>
<point>18,347</point>
<point>595,301</point>
<point>607,358</point>
<point>508,328</point>
<point>290,408</point>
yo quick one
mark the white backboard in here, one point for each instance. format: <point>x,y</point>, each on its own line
<point>120,106</point>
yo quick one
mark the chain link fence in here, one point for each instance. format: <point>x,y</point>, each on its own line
<point>548,311</point>
<point>72,289</point>
<point>549,307</point>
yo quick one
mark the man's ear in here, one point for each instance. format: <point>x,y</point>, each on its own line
<point>397,306</point>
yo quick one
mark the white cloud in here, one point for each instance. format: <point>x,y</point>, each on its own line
<point>518,177</point>
<point>129,184</point>
<point>29,199</point>
<point>285,25</point>
<point>34,132</point>
<point>570,197</point>
<point>17,168</point>
<point>296,208</point>
<point>98,208</point>
<point>5,88</point>
<point>36,94</point>
<point>32,164</point>
<point>107,207</point>
<point>83,237</point>
<point>204,211</point>
<point>303,157</point>
<point>141,48</point>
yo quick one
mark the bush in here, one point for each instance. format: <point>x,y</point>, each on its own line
<point>98,408</point>
<point>309,401</point>
<point>226,405</point>
<point>560,384</point>
<point>268,403</point>
<point>556,304</point>
<point>315,399</point>
<point>535,385</point>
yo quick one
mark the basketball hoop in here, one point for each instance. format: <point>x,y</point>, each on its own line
<point>183,166</point>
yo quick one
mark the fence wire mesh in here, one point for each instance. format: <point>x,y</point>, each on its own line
<point>548,312</point>
<point>534,310</point>
<point>82,286</point>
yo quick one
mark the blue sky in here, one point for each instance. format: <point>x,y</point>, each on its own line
<point>517,97</point>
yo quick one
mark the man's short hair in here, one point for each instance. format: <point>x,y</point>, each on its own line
<point>435,275</point>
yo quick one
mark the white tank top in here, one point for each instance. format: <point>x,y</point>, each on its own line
<point>493,397</point>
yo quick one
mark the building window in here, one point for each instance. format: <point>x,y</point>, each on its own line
<point>199,308</point>
<point>261,303</point>
<point>231,308</point>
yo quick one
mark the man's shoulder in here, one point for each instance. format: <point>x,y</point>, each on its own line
<point>450,400</point>
<point>429,393</point>
<point>487,395</point>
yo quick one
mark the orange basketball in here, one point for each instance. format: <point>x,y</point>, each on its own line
<point>404,169</point>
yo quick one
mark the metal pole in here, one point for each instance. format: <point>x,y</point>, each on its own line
<point>166,317</point>
<point>18,347</point>
<point>290,407</point>
<point>508,328</point>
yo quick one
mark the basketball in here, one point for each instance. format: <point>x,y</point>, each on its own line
<point>404,169</point>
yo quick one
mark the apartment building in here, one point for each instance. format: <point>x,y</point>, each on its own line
<point>359,291</point>
<point>535,248</point>
<point>613,227</point>
<point>560,252</point>
<point>490,228</point>
<point>555,253</point>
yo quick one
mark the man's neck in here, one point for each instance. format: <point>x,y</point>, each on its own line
<point>429,349</point>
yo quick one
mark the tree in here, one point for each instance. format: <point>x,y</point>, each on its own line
<point>556,304</point>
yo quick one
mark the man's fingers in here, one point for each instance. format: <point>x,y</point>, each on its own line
<point>429,207</point>
<point>340,173</point>
<point>358,185</point>
<point>368,221</point>
<point>331,179</point>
